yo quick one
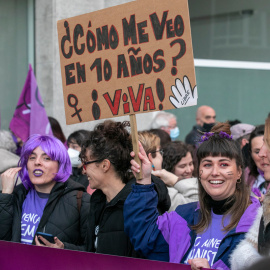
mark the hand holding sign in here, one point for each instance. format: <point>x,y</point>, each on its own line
<point>183,94</point>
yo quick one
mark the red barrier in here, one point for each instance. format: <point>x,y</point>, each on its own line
<point>25,257</point>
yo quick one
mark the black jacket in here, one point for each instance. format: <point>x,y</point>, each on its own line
<point>107,222</point>
<point>194,135</point>
<point>78,177</point>
<point>60,218</point>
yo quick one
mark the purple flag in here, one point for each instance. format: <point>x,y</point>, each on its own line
<point>30,116</point>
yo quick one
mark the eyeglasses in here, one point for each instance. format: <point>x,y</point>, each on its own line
<point>89,162</point>
<point>161,151</point>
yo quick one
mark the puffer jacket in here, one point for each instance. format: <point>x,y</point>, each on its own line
<point>169,237</point>
<point>80,178</point>
<point>61,216</point>
<point>105,232</point>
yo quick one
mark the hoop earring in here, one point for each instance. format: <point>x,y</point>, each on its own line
<point>199,177</point>
<point>238,181</point>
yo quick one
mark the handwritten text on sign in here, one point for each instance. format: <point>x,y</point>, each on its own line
<point>140,62</point>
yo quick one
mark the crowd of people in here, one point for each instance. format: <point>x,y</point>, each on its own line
<point>203,202</point>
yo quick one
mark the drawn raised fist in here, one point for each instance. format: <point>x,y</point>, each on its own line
<point>183,94</point>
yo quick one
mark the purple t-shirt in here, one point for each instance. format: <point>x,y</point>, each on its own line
<point>207,243</point>
<point>32,211</point>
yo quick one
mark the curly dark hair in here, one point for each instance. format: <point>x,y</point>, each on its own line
<point>257,132</point>
<point>110,140</point>
<point>173,153</point>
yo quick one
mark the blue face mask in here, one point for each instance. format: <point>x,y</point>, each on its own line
<point>174,133</point>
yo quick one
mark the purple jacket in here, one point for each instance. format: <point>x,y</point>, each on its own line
<point>169,237</point>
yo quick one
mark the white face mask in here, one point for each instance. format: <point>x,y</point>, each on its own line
<point>74,157</point>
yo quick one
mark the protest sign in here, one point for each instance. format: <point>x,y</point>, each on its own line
<point>44,258</point>
<point>128,59</point>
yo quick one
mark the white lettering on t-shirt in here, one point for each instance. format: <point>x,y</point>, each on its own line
<point>29,230</point>
<point>202,251</point>
<point>34,218</point>
<point>197,241</point>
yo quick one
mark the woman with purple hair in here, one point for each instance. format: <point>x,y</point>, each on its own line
<point>47,201</point>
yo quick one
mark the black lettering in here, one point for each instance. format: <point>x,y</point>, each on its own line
<point>114,39</point>
<point>64,39</point>
<point>157,26</point>
<point>69,78</point>
<point>129,30</point>
<point>158,61</point>
<point>97,64</point>
<point>178,26</point>
<point>80,73</point>
<point>169,27</point>
<point>143,37</point>
<point>103,38</point>
<point>122,66</point>
<point>107,70</point>
<point>78,31</point>
<point>90,38</point>
<point>147,64</point>
<point>136,65</point>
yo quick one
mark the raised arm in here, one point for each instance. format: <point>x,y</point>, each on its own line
<point>6,203</point>
<point>140,214</point>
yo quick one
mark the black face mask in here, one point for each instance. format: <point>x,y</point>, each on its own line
<point>207,127</point>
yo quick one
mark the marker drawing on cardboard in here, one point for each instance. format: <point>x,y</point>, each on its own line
<point>128,59</point>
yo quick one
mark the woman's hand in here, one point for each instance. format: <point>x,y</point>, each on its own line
<point>261,199</point>
<point>57,244</point>
<point>146,166</point>
<point>8,179</point>
<point>198,263</point>
<point>168,178</point>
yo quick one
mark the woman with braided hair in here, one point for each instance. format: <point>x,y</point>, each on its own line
<point>202,234</point>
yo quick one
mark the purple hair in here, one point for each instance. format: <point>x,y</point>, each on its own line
<point>54,148</point>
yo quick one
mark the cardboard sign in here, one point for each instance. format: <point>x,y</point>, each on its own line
<point>129,59</point>
<point>21,256</point>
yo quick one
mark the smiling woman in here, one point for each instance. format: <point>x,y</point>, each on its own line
<point>202,234</point>
<point>106,162</point>
<point>254,175</point>
<point>47,201</point>
<point>220,166</point>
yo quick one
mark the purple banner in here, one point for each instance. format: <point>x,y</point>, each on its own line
<point>25,257</point>
<point>30,116</point>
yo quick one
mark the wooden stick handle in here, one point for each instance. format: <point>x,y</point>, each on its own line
<point>267,132</point>
<point>134,135</point>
